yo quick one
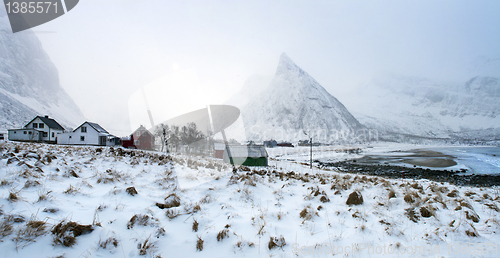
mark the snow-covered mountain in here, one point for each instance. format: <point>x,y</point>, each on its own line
<point>291,104</point>
<point>29,82</point>
<point>410,106</point>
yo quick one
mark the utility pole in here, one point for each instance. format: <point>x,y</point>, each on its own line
<point>310,149</point>
<point>311,152</point>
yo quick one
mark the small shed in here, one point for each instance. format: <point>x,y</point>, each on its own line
<point>247,155</point>
<point>219,148</point>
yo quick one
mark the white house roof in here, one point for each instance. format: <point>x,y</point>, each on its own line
<point>51,123</point>
<point>96,127</point>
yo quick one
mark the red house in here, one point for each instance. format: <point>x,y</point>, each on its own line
<point>143,139</point>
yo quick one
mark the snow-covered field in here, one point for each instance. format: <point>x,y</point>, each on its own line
<point>78,202</point>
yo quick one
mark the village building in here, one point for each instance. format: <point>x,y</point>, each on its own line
<point>247,155</point>
<point>143,139</point>
<point>88,133</point>
<point>40,129</point>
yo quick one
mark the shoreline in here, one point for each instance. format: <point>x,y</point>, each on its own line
<point>395,172</point>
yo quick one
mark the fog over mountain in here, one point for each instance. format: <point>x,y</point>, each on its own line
<point>29,82</point>
<point>291,105</point>
<point>405,106</point>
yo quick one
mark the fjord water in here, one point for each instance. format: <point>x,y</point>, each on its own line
<point>477,160</point>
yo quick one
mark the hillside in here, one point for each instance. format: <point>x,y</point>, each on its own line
<point>29,82</point>
<point>113,203</point>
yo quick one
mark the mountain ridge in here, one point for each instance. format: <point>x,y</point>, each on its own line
<point>293,106</point>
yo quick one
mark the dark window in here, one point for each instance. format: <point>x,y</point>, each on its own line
<point>29,132</point>
<point>70,136</point>
<point>35,125</point>
<point>82,138</point>
<point>40,125</point>
<point>84,129</point>
<point>25,132</point>
<point>45,134</point>
<point>53,134</point>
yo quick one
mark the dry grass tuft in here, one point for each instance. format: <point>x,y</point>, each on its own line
<point>492,206</point>
<point>72,190</point>
<point>51,210</point>
<point>43,195</point>
<point>13,197</point>
<point>487,197</point>
<point>471,215</point>
<point>33,229</point>
<point>308,213</point>
<point>392,194</point>
<point>31,183</point>
<point>222,234</point>
<point>4,182</point>
<point>466,204</point>
<point>471,233</point>
<point>109,176</point>
<point>131,190</point>
<point>410,213</point>
<point>411,197</point>
<point>65,233</point>
<point>427,211</point>
<point>170,201</point>
<point>469,193</point>
<point>146,247</point>
<point>453,194</point>
<point>172,213</point>
<point>195,226</point>
<point>276,242</point>
<point>324,199</point>
<point>138,219</point>
<point>199,244</point>
<point>5,228</point>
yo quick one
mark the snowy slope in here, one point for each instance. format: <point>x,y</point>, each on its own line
<point>292,103</point>
<point>303,211</point>
<point>422,107</point>
<point>29,81</point>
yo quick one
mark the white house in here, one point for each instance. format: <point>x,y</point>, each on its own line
<point>40,129</point>
<point>88,134</point>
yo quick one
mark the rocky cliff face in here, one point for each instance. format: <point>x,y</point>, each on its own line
<point>29,81</point>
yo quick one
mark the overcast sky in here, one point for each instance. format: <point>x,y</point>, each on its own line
<point>201,52</point>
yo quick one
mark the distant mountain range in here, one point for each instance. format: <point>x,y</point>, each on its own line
<point>29,82</point>
<point>395,108</point>
<point>405,108</point>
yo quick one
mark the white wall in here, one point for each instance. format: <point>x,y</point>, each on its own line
<point>20,135</point>
<point>91,137</point>
<point>45,128</point>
